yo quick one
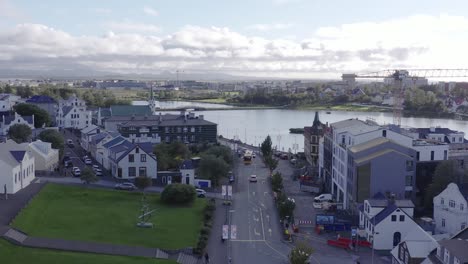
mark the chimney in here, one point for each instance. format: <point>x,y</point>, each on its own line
<point>432,129</point>
<point>200,117</point>
<point>391,198</point>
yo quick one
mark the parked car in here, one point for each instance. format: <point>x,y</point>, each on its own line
<point>95,167</point>
<point>254,155</point>
<point>88,161</point>
<point>76,171</point>
<point>324,197</point>
<point>231,179</point>
<point>98,172</point>
<point>85,157</point>
<point>125,186</point>
<point>284,156</point>
<point>201,193</point>
<point>70,143</point>
<point>253,178</point>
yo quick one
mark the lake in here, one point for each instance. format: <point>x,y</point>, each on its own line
<point>252,126</point>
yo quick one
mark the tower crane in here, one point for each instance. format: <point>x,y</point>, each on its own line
<point>398,76</point>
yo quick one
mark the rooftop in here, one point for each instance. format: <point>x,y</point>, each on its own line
<point>129,110</point>
<point>41,99</point>
<point>384,203</point>
<point>380,153</point>
<point>457,247</point>
<point>369,144</point>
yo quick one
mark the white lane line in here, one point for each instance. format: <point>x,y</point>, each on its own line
<point>253,193</point>
<point>269,231</point>
<point>246,240</point>
<point>263,228</point>
<point>256,219</point>
<point>257,233</point>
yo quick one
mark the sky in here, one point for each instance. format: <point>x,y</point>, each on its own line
<point>261,38</point>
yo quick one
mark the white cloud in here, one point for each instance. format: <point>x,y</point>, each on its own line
<point>132,47</point>
<point>128,26</point>
<point>150,11</point>
<point>102,11</point>
<point>269,27</point>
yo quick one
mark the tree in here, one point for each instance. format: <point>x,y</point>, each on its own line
<point>41,116</point>
<point>170,156</point>
<point>277,182</point>
<point>271,163</point>
<point>88,176</point>
<point>446,172</point>
<point>143,182</point>
<point>212,168</point>
<point>54,137</point>
<point>300,254</point>
<point>266,147</point>
<point>286,208</point>
<point>177,193</point>
<point>24,91</point>
<point>220,152</point>
<point>20,133</point>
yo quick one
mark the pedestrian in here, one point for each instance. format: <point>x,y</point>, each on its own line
<point>338,236</point>
<point>207,258</point>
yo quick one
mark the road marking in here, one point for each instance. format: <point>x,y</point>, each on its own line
<point>263,229</point>
<point>255,210</point>
<point>256,219</point>
<point>265,193</point>
<point>263,182</point>
<point>281,254</point>
<point>253,193</point>
<point>262,205</point>
<point>269,231</point>
<point>268,218</point>
<point>257,233</point>
<point>247,240</point>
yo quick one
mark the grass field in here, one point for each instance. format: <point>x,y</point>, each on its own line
<point>22,255</point>
<point>109,216</point>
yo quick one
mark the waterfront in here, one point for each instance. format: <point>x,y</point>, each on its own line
<point>252,126</point>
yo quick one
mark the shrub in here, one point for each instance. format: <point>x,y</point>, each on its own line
<point>205,230</point>
<point>177,193</point>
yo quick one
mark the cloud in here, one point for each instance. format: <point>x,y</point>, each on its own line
<point>134,48</point>
<point>285,2</point>
<point>128,26</point>
<point>10,11</point>
<point>102,11</point>
<point>269,27</point>
<point>150,11</point>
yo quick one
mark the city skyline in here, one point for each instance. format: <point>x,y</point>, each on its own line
<point>264,38</point>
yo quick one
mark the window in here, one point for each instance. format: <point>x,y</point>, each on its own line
<point>401,252</point>
<point>432,155</point>
<point>137,150</point>
<point>441,200</point>
<point>462,207</point>
<point>463,225</point>
<point>393,218</point>
<point>143,157</point>
<point>456,260</point>
<point>384,133</point>
<point>443,222</point>
<point>409,180</point>
<point>409,165</point>
<point>131,158</point>
<point>445,154</point>
<point>417,156</point>
<point>131,172</point>
<point>142,171</point>
<point>402,218</point>
<point>452,203</point>
<point>446,256</point>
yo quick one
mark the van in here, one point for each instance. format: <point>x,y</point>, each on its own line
<point>323,198</point>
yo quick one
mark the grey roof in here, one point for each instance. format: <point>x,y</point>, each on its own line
<point>128,110</point>
<point>114,141</point>
<point>99,137</point>
<point>126,147</point>
<point>464,190</point>
<point>66,110</point>
<point>346,123</point>
<point>369,144</point>
<point>383,214</point>
<point>10,118</point>
<point>457,248</point>
<point>384,203</point>
<point>18,154</point>
<point>378,154</point>
<point>41,99</point>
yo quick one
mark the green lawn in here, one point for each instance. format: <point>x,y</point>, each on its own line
<point>22,255</point>
<point>109,216</point>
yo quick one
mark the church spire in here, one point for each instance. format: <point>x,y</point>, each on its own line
<point>316,120</point>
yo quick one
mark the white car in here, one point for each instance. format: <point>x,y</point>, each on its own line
<point>253,178</point>
<point>88,161</point>
<point>98,172</point>
<point>76,171</point>
<point>95,167</point>
<point>201,193</point>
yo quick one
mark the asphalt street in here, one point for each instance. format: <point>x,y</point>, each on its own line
<point>259,234</point>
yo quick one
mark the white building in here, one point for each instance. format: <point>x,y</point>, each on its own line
<point>414,248</point>
<point>96,144</point>
<point>451,209</point>
<point>46,158</point>
<point>17,166</point>
<point>187,171</point>
<point>72,113</point>
<point>8,120</point>
<point>86,134</point>
<point>128,160</point>
<point>385,222</point>
<point>7,101</point>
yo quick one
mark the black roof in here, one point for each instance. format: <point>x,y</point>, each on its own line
<point>41,99</point>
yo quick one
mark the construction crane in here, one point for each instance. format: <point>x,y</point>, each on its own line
<point>398,76</point>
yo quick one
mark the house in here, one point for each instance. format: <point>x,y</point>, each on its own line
<point>414,248</point>
<point>128,160</point>
<point>96,144</point>
<point>72,113</point>
<point>17,165</point>
<point>87,133</point>
<point>167,128</point>
<point>46,158</point>
<point>369,171</point>
<point>7,101</point>
<point>7,120</point>
<point>123,111</point>
<point>386,221</point>
<point>46,103</point>
<point>312,136</point>
<point>187,171</point>
<point>451,209</point>
<point>450,251</point>
<point>103,157</point>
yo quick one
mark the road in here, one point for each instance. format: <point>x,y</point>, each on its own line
<point>259,236</point>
